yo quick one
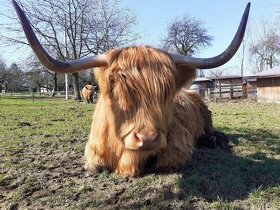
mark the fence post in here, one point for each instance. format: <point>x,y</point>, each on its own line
<point>245,90</point>
<point>208,93</point>
<point>231,92</point>
<point>220,89</point>
<point>33,97</point>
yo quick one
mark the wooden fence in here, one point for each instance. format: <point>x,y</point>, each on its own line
<point>230,91</point>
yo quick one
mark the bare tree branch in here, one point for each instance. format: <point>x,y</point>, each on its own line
<point>91,26</point>
<point>265,45</point>
<point>186,36</point>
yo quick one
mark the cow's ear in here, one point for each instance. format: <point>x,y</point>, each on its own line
<point>185,75</point>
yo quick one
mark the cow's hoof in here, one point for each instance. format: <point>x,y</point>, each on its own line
<point>222,140</point>
<point>97,169</point>
<point>214,140</point>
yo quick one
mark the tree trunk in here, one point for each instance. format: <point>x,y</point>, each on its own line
<point>76,86</point>
<point>270,62</point>
<point>242,66</point>
<point>55,85</point>
<point>242,58</point>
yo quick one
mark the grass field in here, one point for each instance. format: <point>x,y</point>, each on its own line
<point>41,162</point>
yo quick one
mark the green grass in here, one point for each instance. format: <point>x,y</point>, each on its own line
<point>41,162</point>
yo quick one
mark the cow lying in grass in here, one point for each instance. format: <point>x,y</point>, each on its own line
<point>143,111</point>
<point>87,93</point>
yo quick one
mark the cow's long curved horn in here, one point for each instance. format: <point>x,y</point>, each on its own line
<point>208,63</point>
<point>49,62</point>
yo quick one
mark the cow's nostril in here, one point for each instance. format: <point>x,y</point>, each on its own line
<point>141,140</point>
<point>146,139</point>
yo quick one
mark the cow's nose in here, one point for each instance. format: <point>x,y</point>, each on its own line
<point>146,140</point>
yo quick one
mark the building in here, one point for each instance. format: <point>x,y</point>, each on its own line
<point>219,87</point>
<point>200,85</point>
<point>250,83</point>
<point>268,85</point>
<point>263,87</point>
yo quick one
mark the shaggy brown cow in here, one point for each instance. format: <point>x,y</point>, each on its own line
<point>88,92</point>
<point>143,110</point>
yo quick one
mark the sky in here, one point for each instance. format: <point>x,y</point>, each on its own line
<point>220,17</point>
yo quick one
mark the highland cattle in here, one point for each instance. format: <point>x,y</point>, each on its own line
<point>144,113</point>
<point>88,93</point>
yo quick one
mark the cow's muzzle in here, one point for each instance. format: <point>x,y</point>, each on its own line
<point>144,140</point>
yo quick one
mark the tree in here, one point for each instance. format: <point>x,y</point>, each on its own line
<point>71,29</point>
<point>3,74</point>
<point>186,36</point>
<point>11,78</point>
<point>219,71</point>
<point>37,78</point>
<point>16,80</point>
<point>242,53</point>
<point>243,48</point>
<point>265,47</point>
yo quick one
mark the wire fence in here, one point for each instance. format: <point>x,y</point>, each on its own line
<point>36,96</point>
<point>59,95</point>
<point>223,91</point>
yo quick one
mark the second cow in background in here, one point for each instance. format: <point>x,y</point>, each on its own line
<point>87,93</point>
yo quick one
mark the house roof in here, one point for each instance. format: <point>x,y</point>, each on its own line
<point>274,72</point>
<point>253,79</point>
<point>202,79</point>
<point>227,77</point>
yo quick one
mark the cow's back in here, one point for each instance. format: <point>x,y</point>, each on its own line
<point>192,113</point>
<point>191,119</point>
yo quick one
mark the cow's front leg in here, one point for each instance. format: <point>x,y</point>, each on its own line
<point>93,160</point>
<point>174,155</point>
<point>129,164</point>
<point>167,161</point>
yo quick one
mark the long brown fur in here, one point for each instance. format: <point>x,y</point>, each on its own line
<point>142,89</point>
<point>87,93</point>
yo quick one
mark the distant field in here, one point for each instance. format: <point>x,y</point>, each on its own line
<point>41,165</point>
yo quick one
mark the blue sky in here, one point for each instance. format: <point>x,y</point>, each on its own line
<point>220,17</point>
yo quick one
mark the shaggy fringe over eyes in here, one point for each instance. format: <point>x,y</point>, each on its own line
<point>139,80</point>
<point>144,74</point>
<point>141,74</point>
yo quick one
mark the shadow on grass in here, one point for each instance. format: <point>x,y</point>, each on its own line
<point>217,175</point>
<point>214,175</point>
